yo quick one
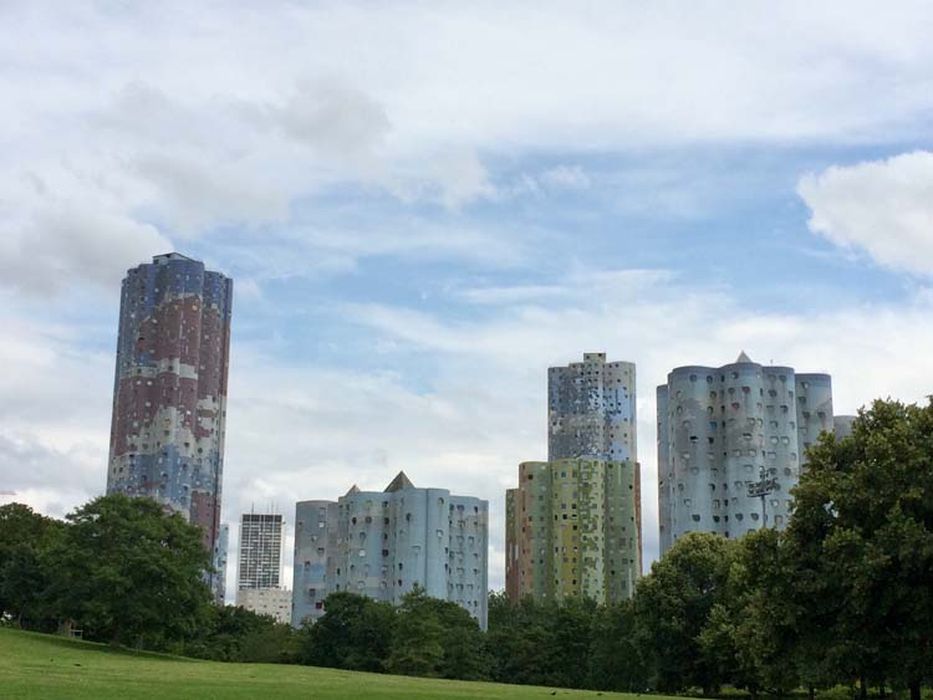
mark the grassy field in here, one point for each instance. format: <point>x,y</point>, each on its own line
<point>43,666</point>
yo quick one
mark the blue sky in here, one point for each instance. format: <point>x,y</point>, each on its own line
<point>424,206</point>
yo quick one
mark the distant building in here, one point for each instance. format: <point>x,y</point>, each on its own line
<point>573,525</point>
<point>275,602</point>
<point>721,428</point>
<point>260,562</point>
<point>259,570</point>
<point>382,544</point>
<point>170,390</point>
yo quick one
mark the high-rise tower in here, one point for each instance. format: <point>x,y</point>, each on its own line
<point>591,410</point>
<point>260,567</point>
<point>260,562</point>
<point>722,428</point>
<point>573,525</point>
<point>170,390</point>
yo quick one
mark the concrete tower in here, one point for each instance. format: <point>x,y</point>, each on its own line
<point>591,410</point>
<point>573,525</point>
<point>170,390</point>
<point>574,529</point>
<point>382,544</point>
<point>720,428</point>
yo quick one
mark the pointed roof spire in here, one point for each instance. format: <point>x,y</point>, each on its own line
<point>743,358</point>
<point>353,489</point>
<point>398,483</point>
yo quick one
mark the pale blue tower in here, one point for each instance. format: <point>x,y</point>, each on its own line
<point>382,544</point>
<point>721,428</point>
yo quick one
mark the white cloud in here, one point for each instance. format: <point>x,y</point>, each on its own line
<point>566,177</point>
<point>179,120</point>
<point>883,207</point>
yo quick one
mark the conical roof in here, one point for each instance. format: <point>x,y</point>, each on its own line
<point>743,358</point>
<point>398,483</point>
<point>353,489</point>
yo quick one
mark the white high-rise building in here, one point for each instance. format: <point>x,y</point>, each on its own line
<point>260,561</point>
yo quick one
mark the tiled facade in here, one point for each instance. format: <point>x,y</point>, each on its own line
<point>720,428</point>
<point>591,410</point>
<point>573,529</point>
<point>170,390</point>
<point>221,549</point>
<point>573,525</point>
<point>383,543</point>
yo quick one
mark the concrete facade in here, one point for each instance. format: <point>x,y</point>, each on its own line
<point>720,428</point>
<point>275,602</point>
<point>382,543</point>
<point>591,410</point>
<point>170,390</point>
<point>573,525</point>
<point>221,550</point>
<point>573,528</point>
<point>260,560</point>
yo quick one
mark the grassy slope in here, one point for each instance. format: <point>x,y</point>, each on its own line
<point>43,666</point>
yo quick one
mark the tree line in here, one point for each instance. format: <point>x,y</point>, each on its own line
<point>843,596</point>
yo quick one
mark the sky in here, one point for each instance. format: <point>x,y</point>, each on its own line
<point>423,206</point>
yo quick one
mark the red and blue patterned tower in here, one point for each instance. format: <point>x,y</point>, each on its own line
<point>170,391</point>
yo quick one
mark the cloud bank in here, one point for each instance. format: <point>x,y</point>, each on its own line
<point>883,207</point>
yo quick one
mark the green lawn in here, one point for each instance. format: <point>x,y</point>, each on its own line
<point>44,666</point>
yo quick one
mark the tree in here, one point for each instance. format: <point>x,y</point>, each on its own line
<point>519,639</point>
<point>861,542</point>
<point>128,572</point>
<point>568,654</point>
<point>417,643</point>
<point>355,633</point>
<point>616,660</point>
<point>673,605</point>
<point>24,537</point>
<point>233,633</point>
<point>766,616</point>
<point>436,638</point>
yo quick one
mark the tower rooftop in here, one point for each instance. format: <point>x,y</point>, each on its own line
<point>398,483</point>
<point>172,256</point>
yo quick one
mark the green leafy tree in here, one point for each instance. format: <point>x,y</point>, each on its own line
<point>355,633</point>
<point>861,542</point>
<point>570,626</point>
<point>541,642</point>
<point>616,661</point>
<point>767,617</point>
<point>128,572</point>
<point>24,537</point>
<point>436,638</point>
<point>233,633</point>
<point>673,606</point>
<point>519,640</point>
<point>272,643</point>
<point>417,646</point>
